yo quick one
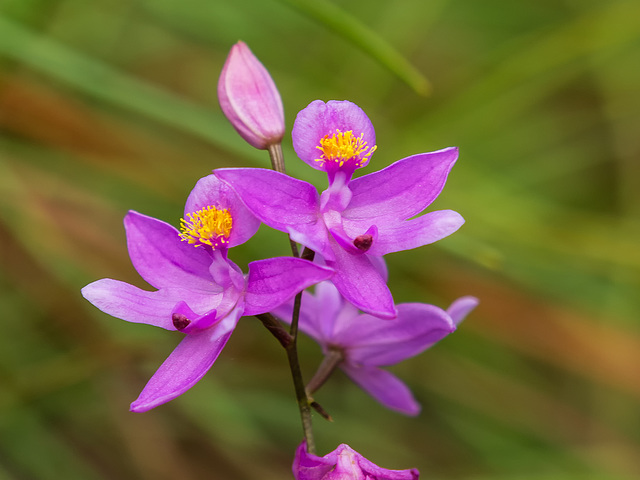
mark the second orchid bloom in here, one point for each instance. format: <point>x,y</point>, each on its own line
<point>199,291</point>
<point>353,223</point>
<point>360,344</point>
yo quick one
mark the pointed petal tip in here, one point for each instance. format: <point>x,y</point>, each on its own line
<point>134,407</point>
<point>414,411</point>
<point>140,407</point>
<point>386,314</point>
<point>461,307</point>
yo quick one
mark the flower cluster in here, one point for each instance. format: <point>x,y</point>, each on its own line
<point>346,231</point>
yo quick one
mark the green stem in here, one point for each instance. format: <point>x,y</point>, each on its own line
<point>304,405</point>
<point>276,329</point>
<point>277,158</point>
<point>326,368</point>
<point>294,364</point>
<point>277,163</point>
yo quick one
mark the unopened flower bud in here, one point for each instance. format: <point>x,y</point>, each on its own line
<point>249,98</point>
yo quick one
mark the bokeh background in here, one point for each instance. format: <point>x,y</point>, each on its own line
<point>110,105</point>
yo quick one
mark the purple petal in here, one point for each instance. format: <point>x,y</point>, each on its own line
<point>281,202</point>
<point>461,307</point>
<point>315,236</point>
<point>273,281</point>
<point>307,466</point>
<point>278,200</point>
<point>385,387</point>
<point>319,119</point>
<point>374,472</point>
<point>307,318</point>
<point>320,313</point>
<point>188,321</point>
<point>132,304</point>
<point>344,463</point>
<point>400,191</point>
<point>376,342</point>
<point>358,280</point>
<point>210,190</point>
<point>162,259</point>
<point>407,234</point>
<point>380,265</point>
<point>249,98</point>
<point>332,311</point>
<point>186,365</point>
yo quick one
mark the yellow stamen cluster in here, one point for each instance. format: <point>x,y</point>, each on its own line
<point>208,226</point>
<point>344,147</point>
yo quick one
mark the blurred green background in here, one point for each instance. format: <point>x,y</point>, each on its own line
<point>110,105</point>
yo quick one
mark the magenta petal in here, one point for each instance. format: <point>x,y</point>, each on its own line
<point>315,236</point>
<point>332,311</point>
<point>132,304</point>
<point>355,243</point>
<point>402,190</point>
<point>408,234</point>
<point>161,258</point>
<point>307,466</point>
<point>281,202</point>
<point>344,463</point>
<point>186,365</point>
<point>273,281</point>
<point>319,119</point>
<point>210,191</point>
<point>377,342</point>
<point>320,312</point>
<point>461,307</point>
<point>307,320</point>
<point>278,200</point>
<point>385,387</point>
<point>380,265</point>
<point>360,282</point>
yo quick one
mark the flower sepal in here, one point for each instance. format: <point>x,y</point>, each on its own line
<point>344,463</point>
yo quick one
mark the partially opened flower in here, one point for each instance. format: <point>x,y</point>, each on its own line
<point>344,463</point>
<point>360,343</point>
<point>199,291</point>
<point>249,98</point>
<point>354,222</point>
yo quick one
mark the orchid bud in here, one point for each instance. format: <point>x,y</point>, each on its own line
<point>249,98</point>
<point>343,463</point>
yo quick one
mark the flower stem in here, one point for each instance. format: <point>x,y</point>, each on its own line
<point>291,346</point>
<point>277,163</point>
<point>276,329</point>
<point>294,365</point>
<point>277,158</point>
<point>326,368</point>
